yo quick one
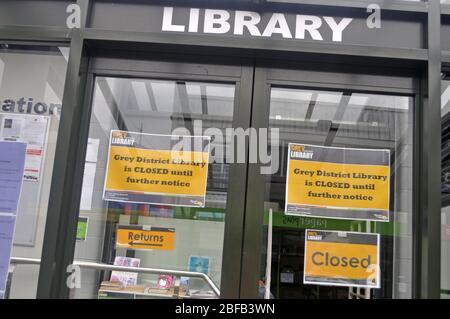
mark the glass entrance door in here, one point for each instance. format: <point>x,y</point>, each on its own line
<point>159,192</point>
<point>178,197</point>
<point>339,196</point>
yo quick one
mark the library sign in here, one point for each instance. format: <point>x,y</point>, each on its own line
<point>256,26</point>
<point>266,25</point>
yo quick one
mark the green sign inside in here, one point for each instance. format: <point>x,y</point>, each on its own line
<point>279,219</point>
<point>82,228</point>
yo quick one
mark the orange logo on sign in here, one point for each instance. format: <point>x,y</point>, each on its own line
<point>297,148</point>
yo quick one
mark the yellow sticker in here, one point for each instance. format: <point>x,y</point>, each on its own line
<point>137,237</point>
<point>341,258</point>
<point>338,182</point>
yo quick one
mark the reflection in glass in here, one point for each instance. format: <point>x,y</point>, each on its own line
<point>31,89</point>
<point>157,107</point>
<point>342,119</point>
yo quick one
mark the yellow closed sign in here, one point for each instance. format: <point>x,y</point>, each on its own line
<point>341,259</point>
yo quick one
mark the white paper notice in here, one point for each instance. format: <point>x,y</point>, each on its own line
<point>30,129</point>
<point>92,150</point>
<point>34,133</point>
<point>88,186</point>
<point>35,130</point>
<point>12,128</point>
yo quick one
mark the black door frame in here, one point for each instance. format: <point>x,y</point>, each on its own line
<point>67,178</point>
<point>169,66</point>
<point>319,76</point>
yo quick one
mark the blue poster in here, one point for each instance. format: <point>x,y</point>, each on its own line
<point>199,264</point>
<point>12,162</point>
<point>7,223</point>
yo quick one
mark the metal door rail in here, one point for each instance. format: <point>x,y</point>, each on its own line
<point>142,270</point>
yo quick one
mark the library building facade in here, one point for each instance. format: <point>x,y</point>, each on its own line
<point>283,149</point>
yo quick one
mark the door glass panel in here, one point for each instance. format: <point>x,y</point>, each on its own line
<point>346,120</point>
<point>31,90</point>
<point>151,106</point>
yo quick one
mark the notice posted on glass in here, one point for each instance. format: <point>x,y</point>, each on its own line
<point>32,130</point>
<point>145,168</point>
<point>341,183</point>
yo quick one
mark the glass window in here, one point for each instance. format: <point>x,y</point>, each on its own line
<point>31,89</point>
<point>153,106</point>
<point>348,121</point>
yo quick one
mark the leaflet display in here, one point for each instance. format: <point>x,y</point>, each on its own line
<point>149,168</point>
<point>341,183</point>
<point>124,277</point>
